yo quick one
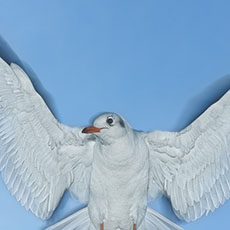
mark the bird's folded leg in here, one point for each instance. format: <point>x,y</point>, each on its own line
<point>134,227</point>
<point>102,226</point>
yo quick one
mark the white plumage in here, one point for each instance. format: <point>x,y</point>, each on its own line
<point>110,166</point>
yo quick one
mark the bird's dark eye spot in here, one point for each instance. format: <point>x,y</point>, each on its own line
<point>109,121</point>
<point>122,123</point>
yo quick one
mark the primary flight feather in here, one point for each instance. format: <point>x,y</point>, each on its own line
<point>113,168</point>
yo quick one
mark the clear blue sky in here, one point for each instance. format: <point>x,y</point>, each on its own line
<point>157,63</point>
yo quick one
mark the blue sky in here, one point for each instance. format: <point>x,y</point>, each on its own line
<point>157,63</point>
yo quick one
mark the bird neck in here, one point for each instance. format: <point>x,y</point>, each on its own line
<point>119,152</point>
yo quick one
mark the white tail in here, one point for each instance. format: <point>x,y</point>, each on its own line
<point>80,221</point>
<point>77,221</point>
<point>155,221</point>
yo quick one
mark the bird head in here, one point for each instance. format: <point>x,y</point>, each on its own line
<point>108,126</point>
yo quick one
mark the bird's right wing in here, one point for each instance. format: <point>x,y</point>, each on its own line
<point>192,167</point>
<point>39,157</point>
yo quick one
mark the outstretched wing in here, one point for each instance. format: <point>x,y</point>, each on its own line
<point>192,167</point>
<point>39,157</point>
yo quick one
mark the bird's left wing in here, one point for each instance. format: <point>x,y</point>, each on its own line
<point>39,157</point>
<point>192,167</point>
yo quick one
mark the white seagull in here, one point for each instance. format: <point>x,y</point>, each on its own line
<point>113,168</point>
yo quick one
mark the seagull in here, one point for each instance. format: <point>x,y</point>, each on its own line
<point>113,168</point>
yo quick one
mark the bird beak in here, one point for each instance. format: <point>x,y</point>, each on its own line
<point>91,129</point>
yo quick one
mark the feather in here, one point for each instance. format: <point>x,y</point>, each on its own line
<point>29,165</point>
<point>199,168</point>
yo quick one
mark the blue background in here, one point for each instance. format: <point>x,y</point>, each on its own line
<point>157,63</point>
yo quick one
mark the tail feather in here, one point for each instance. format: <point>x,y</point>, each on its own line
<point>80,221</point>
<point>155,221</point>
<point>77,221</point>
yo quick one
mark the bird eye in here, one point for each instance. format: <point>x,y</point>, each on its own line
<point>109,121</point>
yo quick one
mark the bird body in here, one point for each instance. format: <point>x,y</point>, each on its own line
<point>119,182</point>
<point>113,168</point>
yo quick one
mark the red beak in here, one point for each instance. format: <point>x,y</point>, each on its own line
<point>91,129</point>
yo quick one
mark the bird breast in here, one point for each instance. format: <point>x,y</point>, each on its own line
<point>119,181</point>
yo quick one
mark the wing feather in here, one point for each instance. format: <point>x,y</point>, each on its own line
<point>192,167</point>
<point>39,157</point>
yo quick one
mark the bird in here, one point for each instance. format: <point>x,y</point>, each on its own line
<point>113,168</point>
